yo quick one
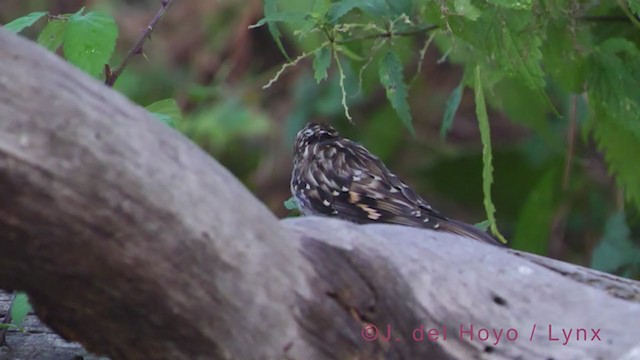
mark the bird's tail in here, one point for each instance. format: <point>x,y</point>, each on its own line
<point>464,229</point>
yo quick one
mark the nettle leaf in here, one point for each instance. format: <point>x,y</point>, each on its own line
<point>285,16</point>
<point>508,40</point>
<point>615,111</point>
<point>634,6</point>
<point>52,35</point>
<point>487,157</point>
<point>374,8</point>
<point>522,104</point>
<point>466,9</point>
<point>21,23</point>
<point>450,110</point>
<point>563,59</point>
<point>320,7</point>
<point>271,16</point>
<point>400,7</point>
<point>89,41</point>
<point>341,8</point>
<point>392,78</point>
<point>616,251</point>
<point>167,111</point>
<point>291,204</point>
<point>534,221</point>
<point>321,63</point>
<point>20,307</point>
<point>511,4</point>
<point>620,144</point>
<point>483,225</point>
<point>613,81</point>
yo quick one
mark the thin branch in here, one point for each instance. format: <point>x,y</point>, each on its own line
<point>342,88</point>
<point>373,51</point>
<point>388,34</point>
<point>112,76</point>
<point>57,17</point>
<point>289,64</point>
<point>571,140</point>
<point>6,321</point>
<point>625,8</point>
<point>422,53</point>
<point>604,18</point>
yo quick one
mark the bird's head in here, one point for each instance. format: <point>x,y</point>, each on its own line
<point>313,133</point>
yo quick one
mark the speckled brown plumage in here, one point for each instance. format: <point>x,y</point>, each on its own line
<point>334,176</point>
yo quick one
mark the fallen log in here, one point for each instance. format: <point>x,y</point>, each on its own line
<point>132,241</point>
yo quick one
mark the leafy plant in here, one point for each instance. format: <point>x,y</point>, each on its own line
<point>616,252</point>
<point>18,311</point>
<point>88,40</point>
<point>511,47</point>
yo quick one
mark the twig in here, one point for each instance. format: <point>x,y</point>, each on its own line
<point>604,18</point>
<point>422,53</point>
<point>57,17</point>
<point>112,76</point>
<point>623,6</point>
<point>289,64</point>
<point>342,88</point>
<point>571,140</point>
<point>7,320</point>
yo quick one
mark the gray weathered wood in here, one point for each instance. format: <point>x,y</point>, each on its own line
<point>132,241</point>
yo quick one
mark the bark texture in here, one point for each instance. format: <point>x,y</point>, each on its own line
<point>132,241</point>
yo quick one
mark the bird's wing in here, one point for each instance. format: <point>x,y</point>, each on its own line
<point>351,183</point>
<point>347,181</point>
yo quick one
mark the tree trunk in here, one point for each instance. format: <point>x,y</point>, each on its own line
<point>132,241</point>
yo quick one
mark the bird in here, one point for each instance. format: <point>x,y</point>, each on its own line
<point>335,177</point>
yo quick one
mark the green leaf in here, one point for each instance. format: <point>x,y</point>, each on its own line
<point>392,78</point>
<point>52,35</point>
<point>270,12</point>
<point>20,307</point>
<point>291,204</point>
<point>450,110</point>
<point>517,4</point>
<point>614,81</point>
<point>21,23</point>
<point>375,8</point>
<point>523,105</point>
<point>620,144</point>
<point>223,122</point>
<point>320,7</point>
<point>487,170</point>
<point>508,41</point>
<point>321,63</point>
<point>615,111</point>
<point>564,59</point>
<point>167,111</point>
<point>90,40</point>
<point>534,222</point>
<point>634,6</point>
<point>483,225</point>
<point>341,8</point>
<point>616,250</point>
<point>466,9</point>
<point>285,16</point>
<point>349,53</point>
<point>400,7</point>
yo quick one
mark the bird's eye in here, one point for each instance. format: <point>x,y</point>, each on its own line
<point>308,132</point>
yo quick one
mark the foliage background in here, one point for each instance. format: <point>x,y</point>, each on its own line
<point>559,77</point>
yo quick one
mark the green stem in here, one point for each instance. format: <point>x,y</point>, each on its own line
<point>388,34</point>
<point>625,8</point>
